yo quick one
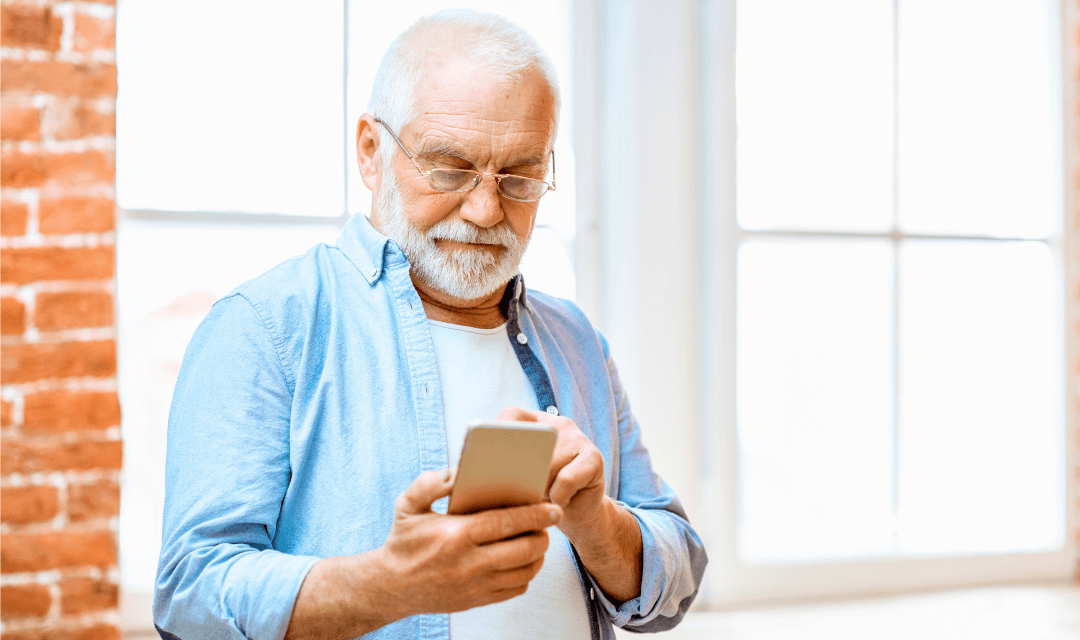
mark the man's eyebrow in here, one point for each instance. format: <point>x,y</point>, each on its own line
<point>435,148</point>
<point>441,149</point>
<point>532,161</point>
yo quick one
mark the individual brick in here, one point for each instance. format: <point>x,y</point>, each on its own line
<point>76,215</point>
<point>61,78</point>
<point>24,601</point>
<point>20,505</point>
<point>19,121</point>
<point>62,411</point>
<point>73,309</point>
<point>13,217</point>
<point>21,456</point>
<point>12,316</point>
<point>42,360</point>
<point>81,595</point>
<point>56,550</point>
<point>72,118</point>
<point>33,264</point>
<point>31,27</point>
<point>96,500</point>
<point>19,170</point>
<point>94,33</point>
<point>7,413</point>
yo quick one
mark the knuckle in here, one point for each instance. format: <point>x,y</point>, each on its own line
<point>451,529</point>
<point>539,518</point>
<point>508,524</point>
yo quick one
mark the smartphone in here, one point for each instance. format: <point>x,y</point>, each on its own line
<point>503,463</point>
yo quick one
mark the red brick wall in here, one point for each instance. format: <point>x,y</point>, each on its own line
<point>60,444</point>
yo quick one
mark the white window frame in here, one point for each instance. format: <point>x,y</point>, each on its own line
<point>689,422</point>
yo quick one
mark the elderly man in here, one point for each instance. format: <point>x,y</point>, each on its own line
<point>322,404</point>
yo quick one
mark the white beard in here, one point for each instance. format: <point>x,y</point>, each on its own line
<point>466,274</point>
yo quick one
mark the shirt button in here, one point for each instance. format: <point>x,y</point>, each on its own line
<point>521,338</point>
<point>374,272</point>
<point>553,410</point>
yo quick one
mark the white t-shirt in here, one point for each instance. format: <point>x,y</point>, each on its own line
<point>480,376</point>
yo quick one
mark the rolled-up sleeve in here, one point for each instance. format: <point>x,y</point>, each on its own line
<point>227,472</point>
<point>673,557</point>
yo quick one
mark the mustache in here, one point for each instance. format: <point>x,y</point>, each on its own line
<point>458,230</point>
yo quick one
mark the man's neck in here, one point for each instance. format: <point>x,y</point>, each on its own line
<point>482,313</point>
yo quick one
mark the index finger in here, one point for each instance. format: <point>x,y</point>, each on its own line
<point>499,524</point>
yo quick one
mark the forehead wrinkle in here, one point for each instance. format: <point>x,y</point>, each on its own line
<point>470,122</point>
<point>440,141</point>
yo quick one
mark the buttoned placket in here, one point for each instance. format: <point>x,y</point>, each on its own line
<point>425,389</point>
<point>423,369</point>
<point>513,302</point>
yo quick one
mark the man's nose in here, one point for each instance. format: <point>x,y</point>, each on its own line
<point>482,205</point>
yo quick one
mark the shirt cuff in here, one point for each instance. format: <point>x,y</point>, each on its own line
<point>621,614</point>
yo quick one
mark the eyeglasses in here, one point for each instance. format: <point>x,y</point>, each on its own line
<point>510,186</point>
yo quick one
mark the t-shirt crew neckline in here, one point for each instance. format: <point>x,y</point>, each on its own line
<point>461,327</point>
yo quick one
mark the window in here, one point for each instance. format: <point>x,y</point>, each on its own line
<point>898,296</point>
<point>235,134</point>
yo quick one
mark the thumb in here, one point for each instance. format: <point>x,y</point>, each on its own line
<point>516,413</point>
<point>426,489</point>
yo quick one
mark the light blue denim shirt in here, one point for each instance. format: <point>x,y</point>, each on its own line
<point>309,399</point>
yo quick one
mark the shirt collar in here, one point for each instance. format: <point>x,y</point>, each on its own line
<point>515,291</point>
<point>369,250</point>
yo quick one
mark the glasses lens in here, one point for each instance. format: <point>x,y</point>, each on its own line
<point>453,180</point>
<point>522,188</point>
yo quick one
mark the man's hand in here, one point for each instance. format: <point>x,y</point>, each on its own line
<point>576,479</point>
<point>605,535</point>
<point>430,563</point>
<point>446,563</point>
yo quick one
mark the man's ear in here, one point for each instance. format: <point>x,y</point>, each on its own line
<point>368,158</point>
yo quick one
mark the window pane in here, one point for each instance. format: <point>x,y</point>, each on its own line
<point>814,398</point>
<point>814,91</point>
<point>975,117</point>
<point>230,106</point>
<point>547,265</point>
<point>981,461</point>
<point>168,276</point>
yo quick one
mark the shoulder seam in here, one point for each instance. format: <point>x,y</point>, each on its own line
<point>279,344</point>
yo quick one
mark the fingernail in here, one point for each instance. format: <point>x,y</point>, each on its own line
<point>446,475</point>
<point>555,517</point>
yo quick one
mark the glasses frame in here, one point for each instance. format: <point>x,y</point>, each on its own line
<point>479,174</point>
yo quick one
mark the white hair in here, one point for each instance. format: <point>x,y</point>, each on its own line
<point>493,42</point>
